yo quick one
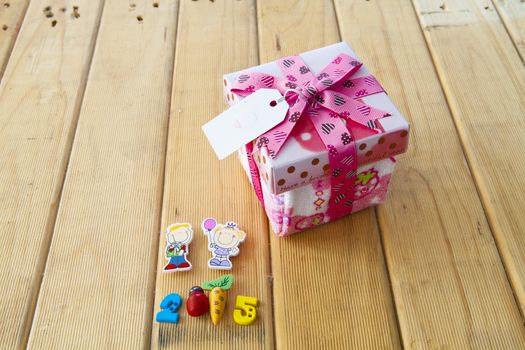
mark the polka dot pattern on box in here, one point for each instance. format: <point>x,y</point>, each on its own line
<point>299,173</point>
<point>383,147</point>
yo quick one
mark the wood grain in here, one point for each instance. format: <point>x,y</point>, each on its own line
<point>198,185</point>
<point>447,278</point>
<point>512,12</point>
<point>98,284</point>
<point>428,269</point>
<point>11,16</point>
<point>484,83</point>
<point>40,96</point>
<point>331,288</point>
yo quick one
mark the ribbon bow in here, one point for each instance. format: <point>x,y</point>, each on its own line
<point>330,100</point>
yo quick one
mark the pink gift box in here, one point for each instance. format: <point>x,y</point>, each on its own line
<point>296,182</point>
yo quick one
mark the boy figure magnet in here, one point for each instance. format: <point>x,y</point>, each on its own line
<point>178,237</point>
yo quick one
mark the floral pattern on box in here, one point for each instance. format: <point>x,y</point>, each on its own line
<point>306,207</point>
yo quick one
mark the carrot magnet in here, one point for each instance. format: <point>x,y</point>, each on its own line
<point>178,237</point>
<point>223,242</point>
<point>218,294</point>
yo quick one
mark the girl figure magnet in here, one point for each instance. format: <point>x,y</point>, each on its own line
<point>223,242</point>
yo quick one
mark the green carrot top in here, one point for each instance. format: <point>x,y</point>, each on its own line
<point>225,282</point>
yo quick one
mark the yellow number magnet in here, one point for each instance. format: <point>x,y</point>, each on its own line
<point>244,313</point>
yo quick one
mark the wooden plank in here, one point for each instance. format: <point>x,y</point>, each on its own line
<point>11,17</point>
<point>512,12</point>
<point>40,96</point>
<point>97,291</point>
<point>448,282</point>
<point>485,88</point>
<point>198,185</point>
<point>331,289</point>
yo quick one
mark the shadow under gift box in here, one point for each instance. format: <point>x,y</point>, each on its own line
<point>296,182</point>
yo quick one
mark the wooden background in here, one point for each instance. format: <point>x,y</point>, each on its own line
<point>101,149</point>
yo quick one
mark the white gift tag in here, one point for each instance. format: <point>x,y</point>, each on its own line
<point>245,121</point>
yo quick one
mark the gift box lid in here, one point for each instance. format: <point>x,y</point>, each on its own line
<point>304,158</point>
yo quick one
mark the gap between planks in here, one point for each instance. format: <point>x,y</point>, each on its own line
<point>508,20</point>
<point>44,167</point>
<point>157,246</point>
<point>512,14</point>
<point>350,246</point>
<point>12,15</point>
<point>76,113</point>
<point>440,264</point>
<point>482,115</point>
<point>131,91</point>
<point>218,188</point>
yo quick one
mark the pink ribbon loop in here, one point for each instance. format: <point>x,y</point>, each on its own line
<point>327,99</point>
<point>317,90</point>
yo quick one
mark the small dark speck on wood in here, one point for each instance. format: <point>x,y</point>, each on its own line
<point>269,279</point>
<point>75,13</point>
<point>443,7</point>
<point>54,23</point>
<point>6,4</point>
<point>4,27</point>
<point>277,43</point>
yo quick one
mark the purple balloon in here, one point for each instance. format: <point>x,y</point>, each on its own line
<point>209,224</point>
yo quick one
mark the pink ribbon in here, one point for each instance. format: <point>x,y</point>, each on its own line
<point>330,100</point>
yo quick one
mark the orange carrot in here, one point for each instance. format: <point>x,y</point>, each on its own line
<point>217,296</point>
